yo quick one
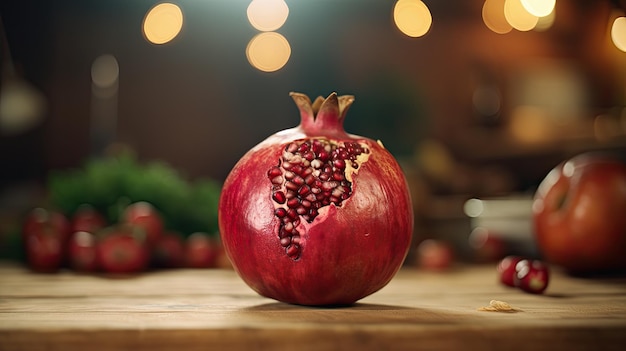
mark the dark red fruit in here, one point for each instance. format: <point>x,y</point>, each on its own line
<point>168,251</point>
<point>143,215</point>
<point>82,252</point>
<point>44,252</point>
<point>435,255</point>
<point>486,246</point>
<point>87,219</point>
<point>532,276</point>
<point>120,251</point>
<point>314,215</point>
<point>40,220</point>
<point>45,234</point>
<point>506,270</point>
<point>201,251</point>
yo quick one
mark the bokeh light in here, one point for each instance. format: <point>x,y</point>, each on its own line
<point>268,51</point>
<point>22,106</point>
<point>493,16</point>
<point>105,71</point>
<point>267,15</point>
<point>163,23</point>
<point>412,17</point>
<point>487,101</point>
<point>530,124</point>
<point>545,22</point>
<point>539,8</point>
<point>518,17</point>
<point>618,33</point>
<point>606,127</point>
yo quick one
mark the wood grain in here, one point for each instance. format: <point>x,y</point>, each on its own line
<point>215,310</point>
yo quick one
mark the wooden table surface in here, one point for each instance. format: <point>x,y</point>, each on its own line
<point>214,309</point>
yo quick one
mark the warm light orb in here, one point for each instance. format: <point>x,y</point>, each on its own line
<point>412,17</point>
<point>545,22</point>
<point>518,17</point>
<point>539,8</point>
<point>267,15</point>
<point>618,33</point>
<point>268,51</point>
<point>162,23</point>
<point>529,124</point>
<point>105,71</point>
<point>493,16</point>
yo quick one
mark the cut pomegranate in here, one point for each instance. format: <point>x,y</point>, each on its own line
<point>314,215</point>
<point>311,174</point>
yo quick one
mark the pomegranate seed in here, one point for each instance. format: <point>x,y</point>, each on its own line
<point>304,190</point>
<point>279,197</point>
<point>298,180</point>
<point>326,186</point>
<point>292,213</point>
<point>278,180</point>
<point>317,163</point>
<point>304,147</point>
<point>291,147</point>
<point>309,156</point>
<point>286,241</point>
<point>273,172</point>
<point>292,186</point>
<point>323,156</point>
<point>287,156</point>
<point>341,164</point>
<point>293,203</point>
<point>293,251</point>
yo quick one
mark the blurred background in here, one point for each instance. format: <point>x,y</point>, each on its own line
<point>476,99</point>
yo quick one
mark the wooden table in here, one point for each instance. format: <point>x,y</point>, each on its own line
<point>213,309</point>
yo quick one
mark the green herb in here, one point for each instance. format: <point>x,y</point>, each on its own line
<point>111,183</point>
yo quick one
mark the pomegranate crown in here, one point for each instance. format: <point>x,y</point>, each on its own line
<point>322,114</point>
<point>333,104</point>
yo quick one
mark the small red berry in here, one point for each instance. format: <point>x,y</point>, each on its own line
<point>82,252</point>
<point>506,270</point>
<point>119,251</point>
<point>532,276</point>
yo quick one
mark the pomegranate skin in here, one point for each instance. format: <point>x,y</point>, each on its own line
<point>347,251</point>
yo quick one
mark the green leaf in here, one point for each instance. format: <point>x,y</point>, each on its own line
<point>111,183</point>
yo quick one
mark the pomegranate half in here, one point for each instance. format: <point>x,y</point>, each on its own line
<point>316,216</point>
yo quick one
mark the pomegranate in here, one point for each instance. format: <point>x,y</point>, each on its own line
<point>316,216</point>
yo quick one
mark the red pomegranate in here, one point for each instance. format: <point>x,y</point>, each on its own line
<point>316,216</point>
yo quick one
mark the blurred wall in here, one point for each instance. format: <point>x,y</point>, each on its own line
<point>198,104</point>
